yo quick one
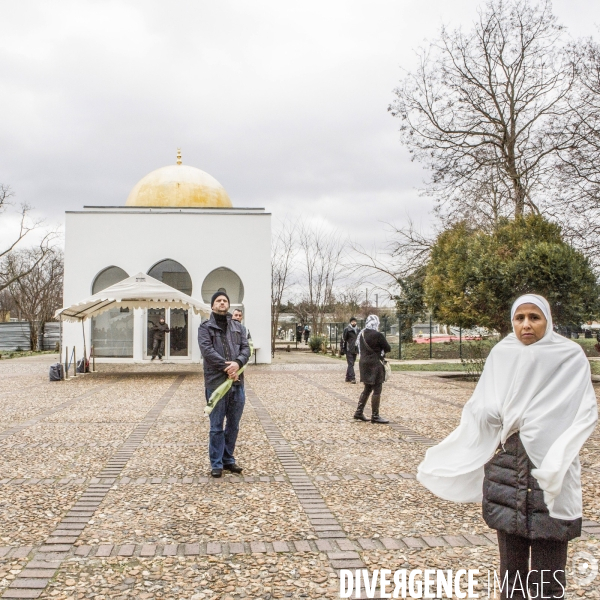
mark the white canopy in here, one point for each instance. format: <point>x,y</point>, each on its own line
<point>138,291</point>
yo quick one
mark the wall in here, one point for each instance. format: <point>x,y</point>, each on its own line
<point>16,335</point>
<point>200,240</point>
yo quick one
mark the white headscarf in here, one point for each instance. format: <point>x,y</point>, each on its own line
<point>543,391</point>
<point>372,322</point>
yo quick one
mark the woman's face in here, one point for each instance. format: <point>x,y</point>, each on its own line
<point>529,323</point>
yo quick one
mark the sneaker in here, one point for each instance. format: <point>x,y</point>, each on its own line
<point>152,358</point>
<point>216,473</point>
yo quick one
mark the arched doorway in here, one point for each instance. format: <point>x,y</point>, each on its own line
<point>112,331</point>
<point>177,341</point>
<point>223,279</point>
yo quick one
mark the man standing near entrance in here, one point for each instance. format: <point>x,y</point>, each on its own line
<point>238,315</point>
<point>158,338</point>
<point>225,350</point>
<point>350,349</point>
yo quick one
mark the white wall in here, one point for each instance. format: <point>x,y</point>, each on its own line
<point>200,240</point>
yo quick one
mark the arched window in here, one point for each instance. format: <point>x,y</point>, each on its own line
<point>112,331</point>
<point>177,344</point>
<point>223,279</point>
<point>108,277</point>
<point>174,274</point>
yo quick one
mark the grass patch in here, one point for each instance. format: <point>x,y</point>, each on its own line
<point>595,366</point>
<point>588,346</point>
<point>21,353</point>
<point>428,367</point>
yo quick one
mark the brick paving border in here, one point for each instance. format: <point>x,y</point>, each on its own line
<point>406,433</point>
<point>33,579</point>
<point>333,540</point>
<point>35,420</point>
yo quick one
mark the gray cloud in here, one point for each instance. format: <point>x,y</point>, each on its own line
<point>285,104</point>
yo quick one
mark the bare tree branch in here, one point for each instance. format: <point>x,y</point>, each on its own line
<point>484,110</point>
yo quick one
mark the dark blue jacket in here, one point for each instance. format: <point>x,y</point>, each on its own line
<point>210,340</point>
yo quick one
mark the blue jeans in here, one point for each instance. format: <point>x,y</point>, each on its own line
<point>221,444</point>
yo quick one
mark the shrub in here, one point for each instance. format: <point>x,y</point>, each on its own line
<point>316,342</point>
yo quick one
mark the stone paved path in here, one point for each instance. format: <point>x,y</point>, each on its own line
<point>104,487</point>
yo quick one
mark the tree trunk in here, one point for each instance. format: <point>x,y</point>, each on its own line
<point>33,336</point>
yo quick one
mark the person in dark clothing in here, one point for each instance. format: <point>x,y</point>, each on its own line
<point>225,350</point>
<point>350,348</point>
<point>517,447</point>
<point>306,333</point>
<point>372,347</point>
<point>238,315</point>
<point>298,333</point>
<point>513,504</point>
<point>158,338</point>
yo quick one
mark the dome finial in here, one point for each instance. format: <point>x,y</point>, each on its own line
<point>178,156</point>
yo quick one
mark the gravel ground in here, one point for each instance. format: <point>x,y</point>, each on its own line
<point>53,462</point>
<point>23,404</point>
<point>80,433</point>
<point>9,569</point>
<point>29,513</point>
<point>397,509</point>
<point>214,511</point>
<point>318,427</point>
<point>178,578</point>
<point>361,457</point>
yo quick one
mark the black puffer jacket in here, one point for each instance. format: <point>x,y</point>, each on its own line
<point>513,501</point>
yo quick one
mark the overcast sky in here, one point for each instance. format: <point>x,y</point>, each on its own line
<point>285,103</point>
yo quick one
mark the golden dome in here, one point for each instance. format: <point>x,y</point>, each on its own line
<point>179,185</point>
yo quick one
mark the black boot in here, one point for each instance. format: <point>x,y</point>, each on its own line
<point>362,402</point>
<point>375,418</point>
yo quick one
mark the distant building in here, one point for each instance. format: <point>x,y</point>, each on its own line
<point>179,226</point>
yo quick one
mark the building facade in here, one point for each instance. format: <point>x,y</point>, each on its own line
<point>178,226</point>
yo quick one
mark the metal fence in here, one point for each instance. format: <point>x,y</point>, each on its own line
<point>15,336</point>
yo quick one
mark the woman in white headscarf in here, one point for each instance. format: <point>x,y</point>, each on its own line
<point>516,449</point>
<point>372,347</point>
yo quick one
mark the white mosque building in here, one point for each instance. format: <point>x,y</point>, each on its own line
<point>179,226</point>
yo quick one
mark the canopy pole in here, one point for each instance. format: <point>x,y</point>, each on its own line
<point>84,348</point>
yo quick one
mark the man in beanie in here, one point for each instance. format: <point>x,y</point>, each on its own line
<point>225,351</point>
<point>350,349</point>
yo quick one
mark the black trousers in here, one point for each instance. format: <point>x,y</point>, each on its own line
<point>350,374</point>
<point>537,565</point>
<point>158,347</point>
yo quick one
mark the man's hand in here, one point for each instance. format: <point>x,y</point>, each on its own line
<point>231,369</point>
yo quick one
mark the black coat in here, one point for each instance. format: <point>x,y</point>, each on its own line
<point>349,340</point>
<point>159,330</point>
<point>371,368</point>
<point>217,348</point>
<point>513,501</point>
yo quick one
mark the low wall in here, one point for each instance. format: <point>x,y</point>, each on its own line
<point>15,335</point>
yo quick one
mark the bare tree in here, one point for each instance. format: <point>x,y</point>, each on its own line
<point>283,251</point>
<point>486,108</point>
<point>26,225</point>
<point>322,253</point>
<point>7,305</point>
<point>578,168</point>
<point>36,288</point>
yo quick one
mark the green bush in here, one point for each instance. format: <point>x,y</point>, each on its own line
<point>316,342</point>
